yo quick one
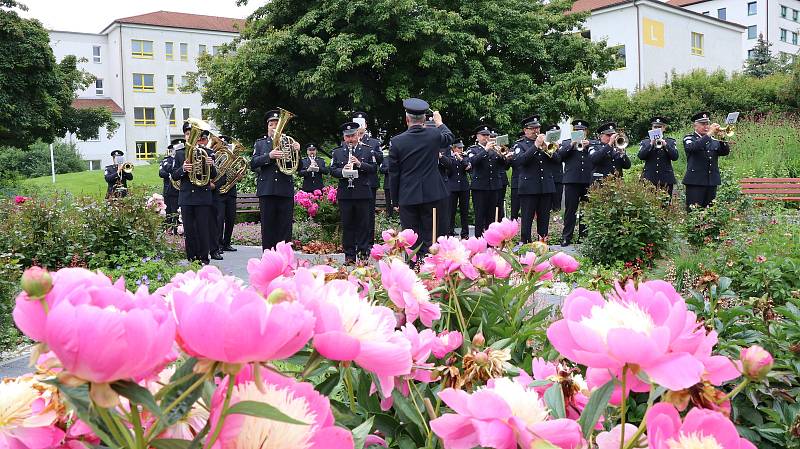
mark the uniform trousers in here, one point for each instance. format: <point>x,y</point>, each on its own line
<point>213,228</point>
<point>483,203</point>
<point>557,196</point>
<point>387,195</point>
<point>500,205</point>
<point>700,195</point>
<point>276,219</point>
<point>419,218</point>
<point>539,205</point>
<point>515,207</point>
<point>371,225</point>
<point>195,231</point>
<point>667,188</point>
<point>573,195</point>
<point>459,202</point>
<point>171,202</point>
<point>355,227</point>
<point>443,217</point>
<point>226,216</point>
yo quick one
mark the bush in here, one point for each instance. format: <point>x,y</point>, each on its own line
<point>152,272</point>
<point>10,270</point>
<point>35,161</point>
<point>626,221</point>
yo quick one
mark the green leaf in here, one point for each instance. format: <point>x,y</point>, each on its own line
<point>261,410</point>
<point>78,399</point>
<point>327,386</point>
<point>597,404</point>
<point>136,394</point>
<point>554,398</point>
<point>406,443</point>
<point>360,433</point>
<point>170,443</point>
<point>185,372</point>
<point>543,444</point>
<point>407,410</point>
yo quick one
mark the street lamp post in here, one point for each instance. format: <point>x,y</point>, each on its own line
<point>167,108</point>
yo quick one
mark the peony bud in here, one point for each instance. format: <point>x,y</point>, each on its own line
<point>756,362</point>
<point>540,248</point>
<point>36,282</point>
<point>564,262</point>
<point>478,340</point>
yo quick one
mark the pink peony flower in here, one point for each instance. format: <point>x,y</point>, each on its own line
<point>760,259</point>
<point>274,262</point>
<point>28,415</point>
<point>446,342</point>
<point>756,362</point>
<point>20,199</point>
<point>374,440</point>
<point>378,251</point>
<point>501,232</point>
<point>564,262</point>
<point>298,400</point>
<point>546,269</point>
<point>636,328</point>
<point>611,439</point>
<point>448,255</point>
<point>550,372</point>
<point>701,428</point>
<point>407,292</point>
<point>475,245</point>
<point>503,415</point>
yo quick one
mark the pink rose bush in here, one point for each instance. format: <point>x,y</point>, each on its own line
<point>311,201</point>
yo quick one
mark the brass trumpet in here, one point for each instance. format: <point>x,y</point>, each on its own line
<point>724,132</point>
<point>127,167</point>
<point>661,143</point>
<point>621,142</point>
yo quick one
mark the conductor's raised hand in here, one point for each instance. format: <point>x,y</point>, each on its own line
<point>437,118</point>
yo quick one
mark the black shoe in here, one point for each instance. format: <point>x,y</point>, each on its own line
<point>204,262</point>
<point>565,243</point>
<point>229,248</point>
<point>216,256</point>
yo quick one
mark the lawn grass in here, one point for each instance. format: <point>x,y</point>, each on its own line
<point>92,183</point>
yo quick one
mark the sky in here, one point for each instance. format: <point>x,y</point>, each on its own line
<point>91,16</point>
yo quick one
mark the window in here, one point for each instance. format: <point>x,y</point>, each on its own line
<point>201,81</point>
<point>169,50</point>
<point>205,114</point>
<point>96,54</point>
<point>184,81</point>
<point>619,57</point>
<point>794,37</point>
<point>98,87</point>
<point>186,114</point>
<point>784,11</point>
<point>752,32</point>
<point>143,82</point>
<point>750,53</point>
<point>201,49</point>
<point>144,116</point>
<point>795,15</point>
<point>172,117</point>
<point>697,44</point>
<point>142,49</point>
<point>184,51</point>
<point>145,150</point>
<point>215,49</point>
<point>171,84</point>
<point>94,164</point>
<point>784,33</point>
<point>722,13</point>
<point>751,8</point>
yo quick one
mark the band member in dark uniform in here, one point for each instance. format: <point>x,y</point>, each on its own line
<point>413,161</point>
<point>458,186</point>
<point>485,186</point>
<point>515,208</point>
<point>170,192</point>
<point>312,168</point>
<point>558,178</point>
<point>536,184</point>
<point>213,227</point>
<point>116,177</point>
<point>445,169</point>
<point>502,176</point>
<point>225,204</point>
<point>387,193</point>
<point>578,171</point>
<point>658,157</point>
<point>606,157</point>
<point>374,145</point>
<point>352,164</point>
<point>195,203</point>
<point>275,189</point>
<point>702,161</point>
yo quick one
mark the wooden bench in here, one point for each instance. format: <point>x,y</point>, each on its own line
<point>771,189</point>
<point>380,199</point>
<point>246,202</point>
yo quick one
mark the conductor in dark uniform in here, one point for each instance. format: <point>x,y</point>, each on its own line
<point>485,186</point>
<point>195,203</point>
<point>658,157</point>
<point>702,166</point>
<point>607,159</point>
<point>578,169</point>
<point>275,190</point>
<point>445,170</point>
<point>312,168</point>
<point>352,164</point>
<point>376,151</point>
<point>170,192</point>
<point>458,186</point>
<point>116,178</point>
<point>536,183</point>
<point>413,161</point>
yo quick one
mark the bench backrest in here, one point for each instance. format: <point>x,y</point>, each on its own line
<point>771,189</point>
<point>247,202</point>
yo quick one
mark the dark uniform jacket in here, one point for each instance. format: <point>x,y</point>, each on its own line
<point>164,172</point>
<point>458,181</point>
<point>578,167</point>
<point>384,168</point>
<point>536,169</point>
<point>112,176</point>
<point>377,158</point>
<point>702,152</point>
<point>445,165</point>
<point>486,166</point>
<point>413,164</point>
<point>312,180</point>
<point>270,180</point>
<point>362,188</point>
<point>658,162</point>
<point>607,160</point>
<point>516,149</point>
<point>190,194</point>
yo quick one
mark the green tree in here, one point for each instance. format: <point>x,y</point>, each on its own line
<point>35,91</point>
<point>502,59</point>
<point>761,62</point>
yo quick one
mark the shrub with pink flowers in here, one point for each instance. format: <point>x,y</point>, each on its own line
<point>319,207</point>
<point>460,353</point>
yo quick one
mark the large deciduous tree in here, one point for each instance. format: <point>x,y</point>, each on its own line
<point>499,59</point>
<point>36,92</point>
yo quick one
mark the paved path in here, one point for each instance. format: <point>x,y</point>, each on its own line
<point>15,367</point>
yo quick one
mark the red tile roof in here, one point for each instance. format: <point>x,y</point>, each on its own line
<point>185,20</point>
<point>591,5</point>
<point>86,103</point>
<point>685,2</point>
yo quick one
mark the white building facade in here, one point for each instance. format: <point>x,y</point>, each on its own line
<point>655,39</point>
<point>777,20</point>
<point>140,63</point>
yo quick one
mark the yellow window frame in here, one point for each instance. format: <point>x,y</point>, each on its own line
<point>184,55</point>
<point>147,119</point>
<point>169,50</point>
<point>141,86</point>
<point>698,44</point>
<point>141,54</point>
<point>172,118</point>
<point>146,149</point>
<point>171,88</point>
